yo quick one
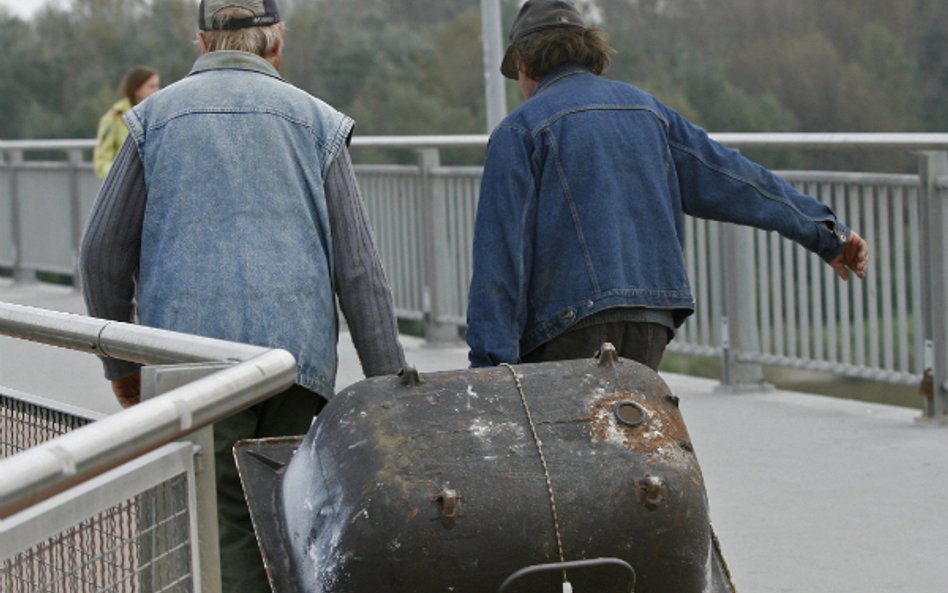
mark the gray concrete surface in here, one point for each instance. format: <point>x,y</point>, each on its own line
<point>808,494</point>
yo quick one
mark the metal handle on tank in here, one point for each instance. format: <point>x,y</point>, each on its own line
<point>564,566</point>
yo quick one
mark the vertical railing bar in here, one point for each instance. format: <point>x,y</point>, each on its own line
<point>471,217</point>
<point>803,265</point>
<point>817,292</point>
<point>392,190</point>
<point>778,309</point>
<point>394,194</point>
<point>406,211</point>
<point>15,162</point>
<point>870,202</point>
<point>856,289</point>
<point>399,216</point>
<point>382,195</point>
<point>915,263</point>
<point>716,278</point>
<point>75,214</point>
<point>404,234</point>
<point>704,319</point>
<point>764,293</point>
<point>790,301</point>
<point>464,242</point>
<point>455,243</point>
<point>845,315</point>
<point>410,201</point>
<point>454,240</point>
<point>886,221</point>
<point>380,205</point>
<point>421,206</point>
<point>901,281</point>
<point>685,332</point>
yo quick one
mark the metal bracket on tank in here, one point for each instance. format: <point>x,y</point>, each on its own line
<point>410,377</point>
<point>607,355</point>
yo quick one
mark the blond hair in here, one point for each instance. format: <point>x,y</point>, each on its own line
<point>262,41</point>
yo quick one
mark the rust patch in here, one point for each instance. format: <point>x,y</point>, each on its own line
<point>662,427</point>
<point>412,514</point>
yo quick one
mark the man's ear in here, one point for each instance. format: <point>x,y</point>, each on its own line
<point>202,42</point>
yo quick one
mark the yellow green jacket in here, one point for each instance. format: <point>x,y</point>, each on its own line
<point>112,133</point>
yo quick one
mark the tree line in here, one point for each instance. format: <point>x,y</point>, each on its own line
<point>415,66</point>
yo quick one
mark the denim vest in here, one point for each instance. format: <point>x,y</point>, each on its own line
<point>582,208</point>
<point>236,241</point>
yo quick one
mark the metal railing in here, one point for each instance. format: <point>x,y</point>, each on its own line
<point>760,299</point>
<point>117,504</point>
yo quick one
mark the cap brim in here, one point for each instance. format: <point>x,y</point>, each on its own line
<point>508,67</point>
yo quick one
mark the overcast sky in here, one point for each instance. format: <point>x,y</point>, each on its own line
<point>22,8</point>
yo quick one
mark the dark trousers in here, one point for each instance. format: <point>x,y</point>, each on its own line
<point>642,342</point>
<point>285,414</point>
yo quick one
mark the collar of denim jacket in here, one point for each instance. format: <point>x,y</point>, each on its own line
<point>234,60</point>
<point>564,71</point>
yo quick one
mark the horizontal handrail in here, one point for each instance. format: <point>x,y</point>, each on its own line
<point>842,140</point>
<point>126,341</point>
<point>49,468</point>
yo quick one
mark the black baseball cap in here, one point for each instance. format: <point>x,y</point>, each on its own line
<point>265,13</point>
<point>534,16</point>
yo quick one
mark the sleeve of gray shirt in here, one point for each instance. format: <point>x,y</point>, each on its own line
<point>364,293</point>
<point>111,244</point>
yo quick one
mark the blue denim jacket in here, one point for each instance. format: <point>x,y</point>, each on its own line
<point>236,240</point>
<point>582,208</point>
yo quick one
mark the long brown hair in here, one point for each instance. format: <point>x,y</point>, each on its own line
<point>133,79</point>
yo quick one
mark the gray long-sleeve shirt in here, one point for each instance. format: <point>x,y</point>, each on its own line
<point>112,244</point>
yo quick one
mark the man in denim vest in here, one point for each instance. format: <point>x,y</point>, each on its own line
<point>232,212</point>
<point>579,232</point>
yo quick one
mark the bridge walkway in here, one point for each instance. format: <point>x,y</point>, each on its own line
<point>808,494</point>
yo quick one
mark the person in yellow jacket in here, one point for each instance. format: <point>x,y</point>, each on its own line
<point>137,84</point>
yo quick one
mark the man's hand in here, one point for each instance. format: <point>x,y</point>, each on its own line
<point>128,390</point>
<point>854,256</point>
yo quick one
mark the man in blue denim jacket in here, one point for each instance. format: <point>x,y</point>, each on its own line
<point>579,231</point>
<point>232,212</point>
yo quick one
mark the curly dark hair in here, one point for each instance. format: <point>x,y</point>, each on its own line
<point>547,50</point>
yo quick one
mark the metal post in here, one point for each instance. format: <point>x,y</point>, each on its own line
<point>75,212</point>
<point>205,544</point>
<point>495,92</point>
<point>16,218</point>
<point>739,332</point>
<point>933,171</point>
<point>437,258</point>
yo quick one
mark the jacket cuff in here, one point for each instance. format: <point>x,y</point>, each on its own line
<point>838,235</point>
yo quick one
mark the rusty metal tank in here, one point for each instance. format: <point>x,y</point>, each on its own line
<point>488,480</point>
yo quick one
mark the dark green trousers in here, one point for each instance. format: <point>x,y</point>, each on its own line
<point>285,414</point>
<point>641,342</point>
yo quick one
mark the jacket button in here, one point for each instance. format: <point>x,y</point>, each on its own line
<point>589,304</point>
<point>569,314</point>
